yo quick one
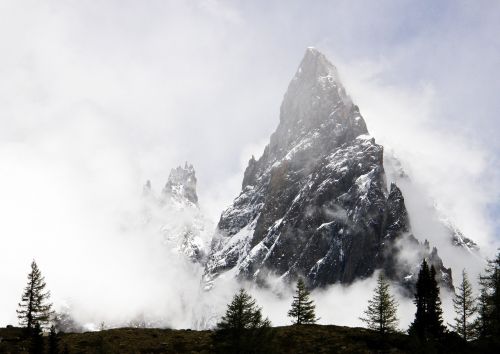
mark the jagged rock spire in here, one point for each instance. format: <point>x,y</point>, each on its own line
<point>315,204</point>
<point>314,101</point>
<point>177,215</point>
<point>182,183</point>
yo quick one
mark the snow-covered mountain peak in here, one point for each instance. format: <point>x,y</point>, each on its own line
<point>315,111</point>
<point>175,214</point>
<point>316,203</point>
<point>317,79</point>
<point>315,66</point>
<point>181,185</point>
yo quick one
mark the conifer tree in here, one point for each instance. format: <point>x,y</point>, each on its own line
<point>428,317</point>
<point>435,313</point>
<point>242,313</point>
<point>242,329</point>
<point>381,314</point>
<point>34,307</point>
<point>465,307</point>
<point>302,311</point>
<point>488,321</point>
<point>419,324</point>
<point>482,320</point>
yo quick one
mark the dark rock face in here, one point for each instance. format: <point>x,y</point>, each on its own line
<point>316,203</point>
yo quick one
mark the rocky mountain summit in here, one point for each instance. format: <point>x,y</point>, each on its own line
<point>181,185</point>
<point>175,213</point>
<point>317,203</point>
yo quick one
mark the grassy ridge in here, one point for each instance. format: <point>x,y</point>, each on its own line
<point>289,339</point>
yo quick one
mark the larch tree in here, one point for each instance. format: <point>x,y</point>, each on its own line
<point>465,307</point>
<point>381,314</point>
<point>303,308</point>
<point>35,308</point>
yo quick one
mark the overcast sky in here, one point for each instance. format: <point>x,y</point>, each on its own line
<point>96,97</point>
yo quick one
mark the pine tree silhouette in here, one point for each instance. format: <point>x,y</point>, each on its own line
<point>34,307</point>
<point>428,321</point>
<point>303,308</point>
<point>242,329</point>
<point>465,307</point>
<point>381,314</point>
<point>488,321</point>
